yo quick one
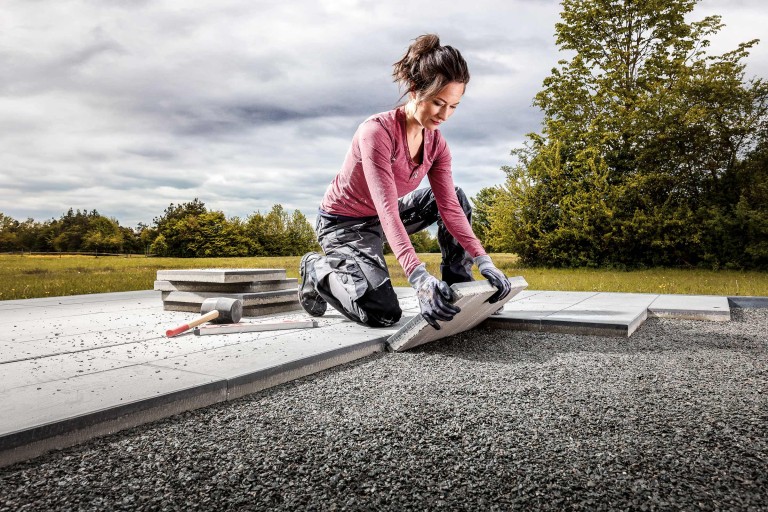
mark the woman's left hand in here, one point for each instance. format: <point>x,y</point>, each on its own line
<point>494,276</point>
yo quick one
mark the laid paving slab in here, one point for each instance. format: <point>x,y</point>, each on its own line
<point>472,298</point>
<point>253,366</point>
<point>691,307</point>
<point>593,313</point>
<point>49,415</point>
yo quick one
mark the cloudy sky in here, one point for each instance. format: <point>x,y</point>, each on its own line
<point>126,106</point>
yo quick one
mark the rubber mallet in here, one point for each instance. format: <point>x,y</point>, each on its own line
<point>220,310</point>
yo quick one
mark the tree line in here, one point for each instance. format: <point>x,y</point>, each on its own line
<point>651,153</point>
<point>184,230</point>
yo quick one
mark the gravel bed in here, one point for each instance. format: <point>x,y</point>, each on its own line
<point>675,417</point>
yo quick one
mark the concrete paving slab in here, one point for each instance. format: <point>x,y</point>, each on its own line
<point>551,297</point>
<point>248,299</point>
<point>471,298</point>
<point>592,313</point>
<point>50,415</point>
<point>46,310</point>
<point>691,307</point>
<point>266,361</point>
<point>59,328</point>
<point>47,369</point>
<point>222,275</point>
<point>604,313</point>
<point>247,287</point>
<point>248,311</point>
<point>98,298</point>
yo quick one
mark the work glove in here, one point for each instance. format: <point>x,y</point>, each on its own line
<point>494,276</point>
<point>434,297</point>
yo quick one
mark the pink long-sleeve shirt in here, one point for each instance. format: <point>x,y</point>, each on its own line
<point>378,170</point>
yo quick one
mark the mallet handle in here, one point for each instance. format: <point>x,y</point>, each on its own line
<point>201,320</point>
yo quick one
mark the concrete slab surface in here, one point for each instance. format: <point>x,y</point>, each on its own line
<point>76,367</point>
<point>693,307</point>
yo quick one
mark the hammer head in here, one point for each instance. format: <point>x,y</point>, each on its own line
<point>230,310</point>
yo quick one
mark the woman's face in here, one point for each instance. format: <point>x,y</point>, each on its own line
<point>432,112</point>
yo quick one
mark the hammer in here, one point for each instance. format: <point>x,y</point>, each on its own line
<point>219,310</point>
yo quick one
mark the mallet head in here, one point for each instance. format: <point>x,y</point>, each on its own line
<point>230,310</point>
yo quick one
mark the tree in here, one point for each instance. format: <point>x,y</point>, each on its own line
<point>300,235</point>
<point>423,241</point>
<point>175,213</point>
<point>481,215</point>
<point>273,236</point>
<point>9,240</point>
<point>642,135</point>
<point>103,235</point>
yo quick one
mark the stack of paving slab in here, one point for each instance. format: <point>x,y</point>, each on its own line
<point>262,291</point>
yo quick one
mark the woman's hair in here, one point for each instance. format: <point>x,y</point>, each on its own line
<point>427,67</point>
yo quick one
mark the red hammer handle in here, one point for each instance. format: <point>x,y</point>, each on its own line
<point>205,318</point>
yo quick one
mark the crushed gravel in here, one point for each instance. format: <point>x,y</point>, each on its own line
<point>675,417</point>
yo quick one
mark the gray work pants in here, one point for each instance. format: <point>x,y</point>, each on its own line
<point>353,275</point>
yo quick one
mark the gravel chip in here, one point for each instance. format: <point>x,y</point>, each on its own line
<point>675,417</point>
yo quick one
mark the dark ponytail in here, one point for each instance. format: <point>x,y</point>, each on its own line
<point>427,67</point>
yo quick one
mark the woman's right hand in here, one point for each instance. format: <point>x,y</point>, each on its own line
<point>434,296</point>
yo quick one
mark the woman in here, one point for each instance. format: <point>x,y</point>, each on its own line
<point>374,198</point>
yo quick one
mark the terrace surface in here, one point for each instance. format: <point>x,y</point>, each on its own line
<point>73,368</point>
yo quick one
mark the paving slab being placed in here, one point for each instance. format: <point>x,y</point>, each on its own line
<point>472,298</point>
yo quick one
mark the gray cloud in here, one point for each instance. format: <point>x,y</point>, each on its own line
<point>127,106</point>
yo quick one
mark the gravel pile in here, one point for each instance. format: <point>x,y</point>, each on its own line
<point>675,417</point>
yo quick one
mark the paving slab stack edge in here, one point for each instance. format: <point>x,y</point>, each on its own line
<point>262,291</point>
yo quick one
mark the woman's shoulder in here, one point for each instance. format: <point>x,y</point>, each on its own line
<point>388,119</point>
<point>382,123</point>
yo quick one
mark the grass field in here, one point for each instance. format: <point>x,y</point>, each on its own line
<point>25,277</point>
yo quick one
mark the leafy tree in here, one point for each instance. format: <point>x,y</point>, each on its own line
<point>300,235</point>
<point>103,235</point>
<point>481,211</point>
<point>159,246</point>
<point>212,235</point>
<point>750,232</point>
<point>642,134</point>
<point>278,234</point>
<point>274,236</point>
<point>423,241</point>
<point>9,240</point>
<point>254,226</point>
<point>175,213</point>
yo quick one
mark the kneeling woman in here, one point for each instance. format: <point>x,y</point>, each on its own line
<point>374,198</point>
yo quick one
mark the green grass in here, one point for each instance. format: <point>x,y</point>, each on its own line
<point>25,277</point>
